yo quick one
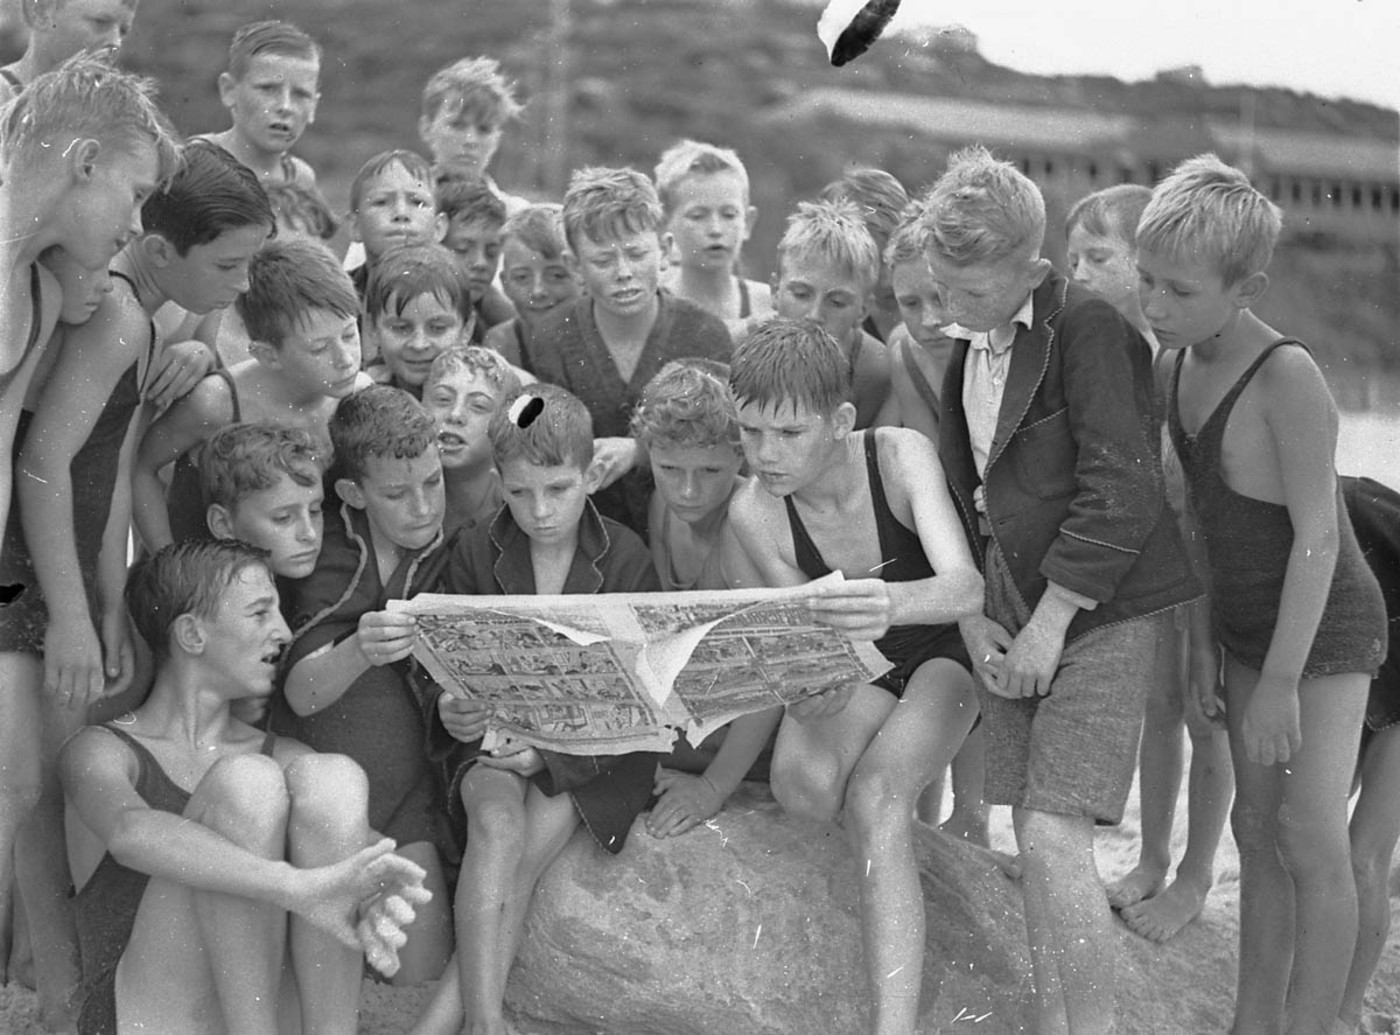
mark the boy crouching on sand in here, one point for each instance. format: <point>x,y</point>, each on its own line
<point>201,837</point>
<point>522,805</point>
<point>860,752</point>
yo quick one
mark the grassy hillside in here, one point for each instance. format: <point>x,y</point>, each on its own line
<point>644,72</point>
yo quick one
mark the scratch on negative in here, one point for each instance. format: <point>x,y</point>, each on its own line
<point>756,933</point>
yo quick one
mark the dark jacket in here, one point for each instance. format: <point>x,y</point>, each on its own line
<point>1074,485</point>
<point>608,790</point>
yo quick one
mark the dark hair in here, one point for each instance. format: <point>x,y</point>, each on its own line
<point>378,421</point>
<point>270,37</point>
<point>791,362</point>
<point>287,279</point>
<point>468,198</point>
<point>211,193</point>
<point>413,163</point>
<point>185,578</point>
<point>879,196</point>
<point>242,459</point>
<point>304,203</point>
<point>406,271</point>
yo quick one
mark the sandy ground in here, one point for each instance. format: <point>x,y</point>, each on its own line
<point>1198,965</point>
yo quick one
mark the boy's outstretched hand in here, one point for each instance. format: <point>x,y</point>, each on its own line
<point>337,897</point>
<point>684,801</point>
<point>386,636</point>
<point>860,608</point>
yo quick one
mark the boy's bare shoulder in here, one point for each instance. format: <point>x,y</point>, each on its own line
<point>302,173</point>
<point>753,510</point>
<point>119,330</point>
<point>1291,372</point>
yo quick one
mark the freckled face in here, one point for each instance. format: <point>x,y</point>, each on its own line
<point>695,481</point>
<point>1104,265</point>
<point>1183,299</point>
<point>809,288</point>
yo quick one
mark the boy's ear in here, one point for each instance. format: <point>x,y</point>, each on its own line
<point>350,492</point>
<point>843,421</point>
<point>750,221</point>
<point>188,633</point>
<point>668,244</point>
<point>440,227</point>
<point>158,250</point>
<point>1039,267</point>
<point>265,354</point>
<point>82,159</point>
<point>593,476</point>
<point>220,522</point>
<point>424,124</point>
<point>227,83</point>
<point>1249,291</point>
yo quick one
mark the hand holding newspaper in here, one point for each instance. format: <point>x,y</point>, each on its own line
<point>608,673</point>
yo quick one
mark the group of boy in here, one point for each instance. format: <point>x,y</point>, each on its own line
<point>1036,589</point>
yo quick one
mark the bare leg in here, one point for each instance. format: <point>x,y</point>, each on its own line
<point>197,957</point>
<point>969,816</point>
<point>1375,827</point>
<point>495,803</point>
<point>429,946</point>
<point>1211,785</point>
<point>20,679</point>
<point>1159,776</point>
<point>930,805</point>
<point>329,803</point>
<point>41,858</point>
<point>920,735</point>
<point>1068,923</point>
<point>550,822</point>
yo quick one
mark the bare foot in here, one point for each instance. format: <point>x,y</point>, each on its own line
<point>969,826</point>
<point>1138,884</point>
<point>1161,917</point>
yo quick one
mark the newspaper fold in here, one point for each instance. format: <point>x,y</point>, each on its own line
<point>610,673</point>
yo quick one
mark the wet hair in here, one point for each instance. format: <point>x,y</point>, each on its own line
<point>546,426</point>
<point>378,421</point>
<point>468,198</point>
<point>411,161</point>
<point>878,195</point>
<point>831,232</point>
<point>86,98</point>
<point>1111,212</point>
<point>688,405</point>
<point>210,194</point>
<point>1210,209</point>
<point>294,202</point>
<point>269,37</point>
<point>472,84</point>
<point>288,278</point>
<point>539,228</point>
<point>690,158</point>
<point>906,243</point>
<point>983,210</point>
<point>29,9</point>
<point>186,578</point>
<point>406,271</point>
<point>241,459</point>
<point>790,363</point>
<point>602,203</point>
<point>473,360</point>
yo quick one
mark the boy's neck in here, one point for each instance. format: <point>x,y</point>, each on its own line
<point>632,329</point>
<point>1244,332</point>
<point>267,164</point>
<point>182,710</point>
<point>551,562</point>
<point>279,393</point>
<point>841,476</point>
<point>132,262</point>
<point>707,286</point>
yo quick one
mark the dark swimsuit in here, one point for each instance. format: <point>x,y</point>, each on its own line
<point>93,473</point>
<point>184,501</point>
<point>105,909</point>
<point>1247,543</point>
<point>906,646</point>
<point>919,381</point>
<point>36,318</point>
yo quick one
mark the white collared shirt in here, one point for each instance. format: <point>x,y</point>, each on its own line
<point>984,384</point>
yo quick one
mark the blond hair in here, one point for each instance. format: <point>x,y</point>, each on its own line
<point>983,210</point>
<point>1211,210</point>
<point>690,158</point>
<point>831,232</point>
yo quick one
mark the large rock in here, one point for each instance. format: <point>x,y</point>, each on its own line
<point>748,926</point>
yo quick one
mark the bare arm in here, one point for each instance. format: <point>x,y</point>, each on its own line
<point>322,677</point>
<point>115,630</point>
<point>185,425</point>
<point>93,360</point>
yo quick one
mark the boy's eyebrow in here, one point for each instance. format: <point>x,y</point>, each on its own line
<point>266,600</point>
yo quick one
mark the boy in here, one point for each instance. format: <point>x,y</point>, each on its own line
<point>465,106</point>
<point>536,277</point>
<point>300,310</point>
<point>882,201</point>
<point>1292,602</point>
<point>687,424</point>
<point>348,688</point>
<point>704,193</point>
<point>263,486</point>
<point>271,90</point>
<point>605,346</point>
<point>82,148</point>
<point>65,643</point>
<point>201,837</point>
<point>861,753</point>
<point>522,805</point>
<point>1102,256</point>
<point>918,348</point>
<point>464,390</point>
<point>474,217</point>
<point>391,202</point>
<point>1052,450</point>
<point>417,305</point>
<point>58,29</point>
<point>828,265</point>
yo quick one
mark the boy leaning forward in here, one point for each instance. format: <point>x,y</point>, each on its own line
<point>1051,446</point>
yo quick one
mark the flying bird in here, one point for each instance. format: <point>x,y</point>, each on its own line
<point>849,27</point>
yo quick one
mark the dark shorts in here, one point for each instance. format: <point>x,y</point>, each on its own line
<point>909,646</point>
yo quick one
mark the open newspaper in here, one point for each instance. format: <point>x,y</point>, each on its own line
<point>610,673</point>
